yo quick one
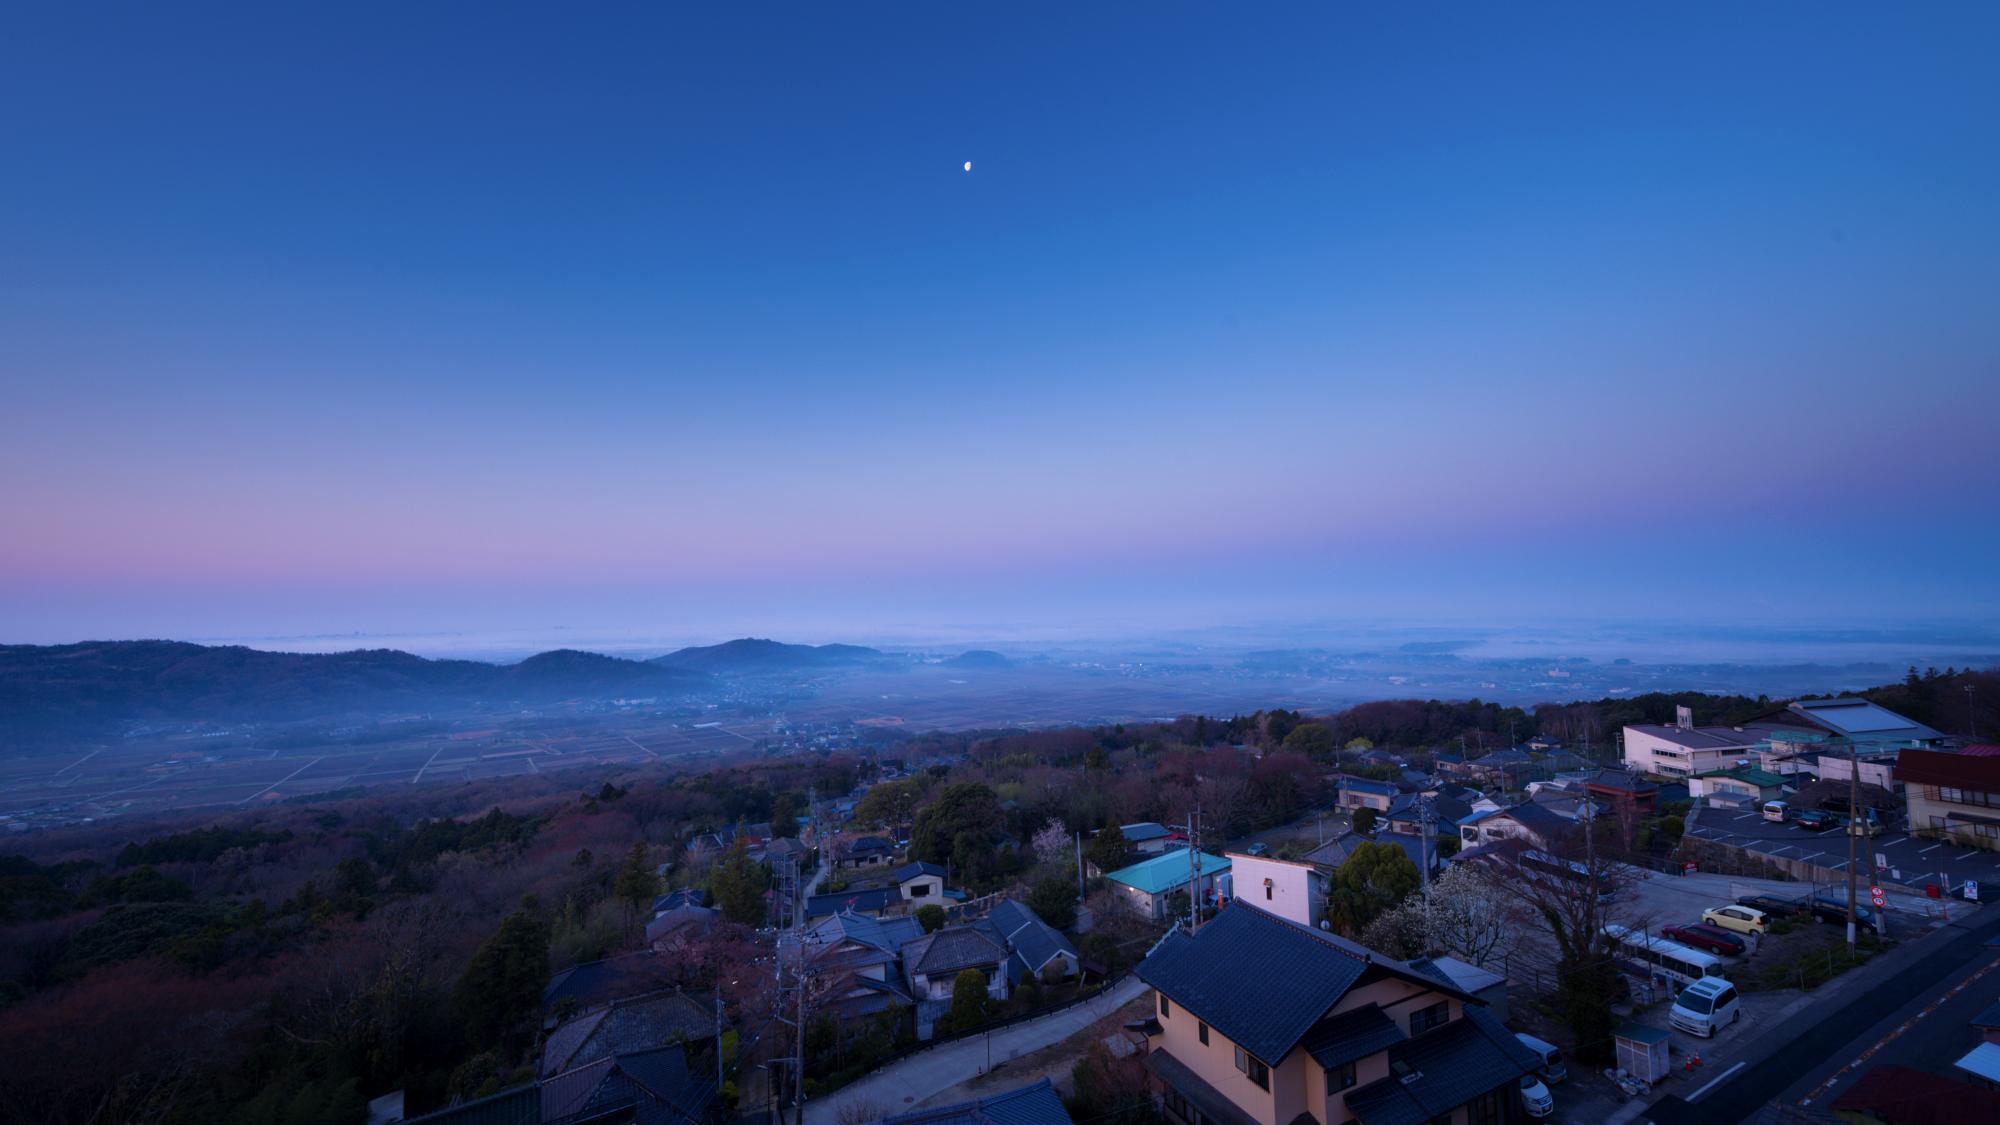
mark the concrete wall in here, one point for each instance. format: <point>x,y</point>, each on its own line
<point>1293,891</point>
<point>1882,773</point>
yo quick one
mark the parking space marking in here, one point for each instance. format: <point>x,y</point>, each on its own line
<point>1745,816</point>
<point>1929,850</point>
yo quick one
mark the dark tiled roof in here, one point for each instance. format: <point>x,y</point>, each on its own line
<point>874,898</point>
<point>1455,1064</point>
<point>952,949</point>
<point>1258,979</point>
<point>1351,1035</point>
<point>1537,819</point>
<point>1988,1018</point>
<point>521,1105</point>
<point>637,1024</point>
<point>598,982</point>
<point>1138,833</point>
<point>1030,1105</point>
<point>1932,767</point>
<point>1622,781</point>
<point>1033,941</point>
<point>1341,848</point>
<point>1213,1103</point>
<point>1913,1097</point>
<point>910,871</point>
<point>655,1086</point>
<point>871,844</point>
<point>1364,785</point>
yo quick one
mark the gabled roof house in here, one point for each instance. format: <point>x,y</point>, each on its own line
<point>1259,1019</point>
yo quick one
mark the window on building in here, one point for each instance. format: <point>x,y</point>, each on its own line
<point>1267,890</point>
<point>1253,1068</point>
<point>1166,1006</point>
<point>1340,1077</point>
<point>1424,1019</point>
<point>920,890</point>
<point>1201,1029</point>
<point>1491,1107</point>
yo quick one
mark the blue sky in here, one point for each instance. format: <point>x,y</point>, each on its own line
<point>398,317</point>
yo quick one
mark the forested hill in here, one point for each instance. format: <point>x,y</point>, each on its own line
<point>47,691</point>
<point>755,656</point>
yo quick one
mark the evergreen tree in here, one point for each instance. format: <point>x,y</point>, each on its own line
<point>968,1000</point>
<point>502,984</point>
<point>736,885</point>
<point>636,882</point>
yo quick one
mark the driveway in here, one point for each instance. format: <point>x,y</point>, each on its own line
<point>909,1080</point>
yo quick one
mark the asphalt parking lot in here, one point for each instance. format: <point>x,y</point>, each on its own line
<point>1905,860</point>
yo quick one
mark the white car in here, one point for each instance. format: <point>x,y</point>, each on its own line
<point>1536,1097</point>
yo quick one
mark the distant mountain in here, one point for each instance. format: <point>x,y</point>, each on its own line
<point>96,685</point>
<point>979,658</point>
<point>752,656</point>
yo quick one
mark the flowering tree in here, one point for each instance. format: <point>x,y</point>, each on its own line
<point>1052,842</point>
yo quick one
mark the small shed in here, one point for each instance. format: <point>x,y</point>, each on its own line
<point>1642,1052</point>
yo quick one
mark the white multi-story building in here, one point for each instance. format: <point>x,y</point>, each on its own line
<point>1684,750</point>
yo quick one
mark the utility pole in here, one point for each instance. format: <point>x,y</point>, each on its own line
<point>1194,869</point>
<point>1424,843</point>
<point>1079,868</point>
<point>1971,717</point>
<point>718,1037</point>
<point>1853,832</point>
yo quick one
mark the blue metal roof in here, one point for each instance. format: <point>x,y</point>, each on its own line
<point>1261,981</point>
<point>1363,785</point>
<point>1163,873</point>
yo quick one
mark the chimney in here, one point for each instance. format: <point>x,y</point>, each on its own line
<point>1684,718</point>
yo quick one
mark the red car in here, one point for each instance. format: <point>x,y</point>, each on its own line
<point>1701,935</point>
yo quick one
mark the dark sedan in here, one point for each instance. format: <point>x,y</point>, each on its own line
<point>1773,905</point>
<point>1817,820</point>
<point>1714,939</point>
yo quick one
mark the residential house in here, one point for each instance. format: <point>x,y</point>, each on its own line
<point>1406,815</point>
<point>919,883</point>
<point>1906,1094</point>
<point>1291,889</point>
<point>783,848</point>
<point>1626,793</point>
<point>1035,948</point>
<point>645,1087</point>
<point>1528,821</point>
<point>648,1087</point>
<point>1951,795</point>
<point>1147,884</point>
<point>1506,769</point>
<point>635,1023</point>
<point>1362,793</point>
<point>1489,986</point>
<point>857,962</point>
<point>1262,1020</point>
<point>1036,1104</point>
<point>681,921</point>
<point>859,900</point>
<point>1148,838</point>
<point>867,851</point>
<point>1329,856</point>
<point>1744,785</point>
<point>932,964</point>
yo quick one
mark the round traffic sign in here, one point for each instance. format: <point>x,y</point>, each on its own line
<point>1876,891</point>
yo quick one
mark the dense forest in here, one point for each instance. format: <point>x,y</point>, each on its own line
<point>288,963</point>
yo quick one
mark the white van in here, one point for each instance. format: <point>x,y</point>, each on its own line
<point>1705,1007</point>
<point>1776,810</point>
<point>1551,1056</point>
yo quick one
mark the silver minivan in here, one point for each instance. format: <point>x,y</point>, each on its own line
<point>1552,1067</point>
<point>1704,1007</point>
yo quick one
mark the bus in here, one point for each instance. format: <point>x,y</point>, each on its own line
<point>1553,871</point>
<point>1660,957</point>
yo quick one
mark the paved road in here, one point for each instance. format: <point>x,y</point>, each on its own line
<point>1821,1038</point>
<point>908,1081</point>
